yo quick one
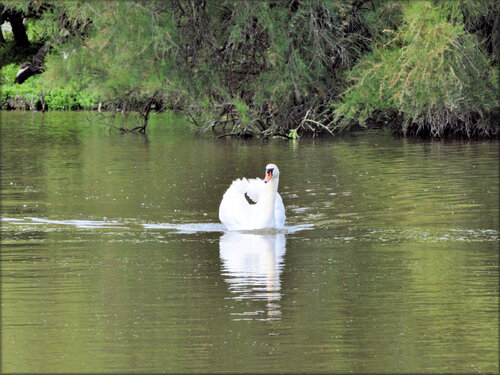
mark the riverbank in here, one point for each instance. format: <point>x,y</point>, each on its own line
<point>37,94</point>
<point>261,69</point>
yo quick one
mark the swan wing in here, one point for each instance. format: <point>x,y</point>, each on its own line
<point>254,188</point>
<point>237,213</point>
<point>234,210</point>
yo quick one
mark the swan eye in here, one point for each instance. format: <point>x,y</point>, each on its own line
<point>270,170</point>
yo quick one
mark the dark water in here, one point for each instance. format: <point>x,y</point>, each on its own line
<point>113,259</point>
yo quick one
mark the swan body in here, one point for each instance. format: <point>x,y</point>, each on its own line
<point>237,213</point>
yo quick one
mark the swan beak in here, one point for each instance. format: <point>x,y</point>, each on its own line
<point>269,175</point>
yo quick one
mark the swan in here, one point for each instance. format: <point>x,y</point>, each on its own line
<point>254,203</point>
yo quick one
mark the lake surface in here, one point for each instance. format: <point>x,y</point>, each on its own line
<point>113,258</point>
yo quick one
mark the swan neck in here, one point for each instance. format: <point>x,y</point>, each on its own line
<point>270,193</point>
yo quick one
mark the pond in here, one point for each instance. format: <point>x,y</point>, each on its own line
<point>113,258</point>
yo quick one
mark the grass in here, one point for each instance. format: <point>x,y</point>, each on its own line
<point>36,91</point>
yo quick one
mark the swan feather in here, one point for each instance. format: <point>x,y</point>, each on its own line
<point>238,214</point>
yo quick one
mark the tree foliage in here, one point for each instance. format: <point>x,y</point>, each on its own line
<point>431,72</point>
<point>286,67</point>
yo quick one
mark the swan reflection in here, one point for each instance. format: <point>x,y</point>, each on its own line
<point>252,265</point>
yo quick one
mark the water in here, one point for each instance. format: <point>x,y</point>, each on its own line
<point>113,258</point>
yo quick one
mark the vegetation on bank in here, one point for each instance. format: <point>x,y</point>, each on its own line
<point>290,68</point>
<point>35,94</point>
<point>430,74</point>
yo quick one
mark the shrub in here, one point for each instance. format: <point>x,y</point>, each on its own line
<point>36,87</point>
<point>432,73</point>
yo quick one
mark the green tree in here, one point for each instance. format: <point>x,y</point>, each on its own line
<point>287,67</point>
<point>431,73</point>
<point>259,67</point>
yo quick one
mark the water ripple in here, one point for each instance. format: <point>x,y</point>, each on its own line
<point>354,233</point>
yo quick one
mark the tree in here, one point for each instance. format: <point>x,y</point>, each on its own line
<point>15,18</point>
<point>431,73</point>
<point>288,68</point>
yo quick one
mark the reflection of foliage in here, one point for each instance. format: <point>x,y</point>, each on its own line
<point>393,281</point>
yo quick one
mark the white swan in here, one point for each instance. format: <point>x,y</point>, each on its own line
<point>239,213</point>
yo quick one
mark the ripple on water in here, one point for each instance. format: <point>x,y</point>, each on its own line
<point>53,224</point>
<point>354,234</point>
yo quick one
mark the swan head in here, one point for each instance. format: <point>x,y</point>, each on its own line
<point>272,171</point>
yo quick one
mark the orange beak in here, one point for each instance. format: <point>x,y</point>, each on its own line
<point>269,175</point>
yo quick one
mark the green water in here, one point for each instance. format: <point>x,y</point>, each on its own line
<point>113,258</point>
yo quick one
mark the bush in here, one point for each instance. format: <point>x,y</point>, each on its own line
<point>432,73</point>
<point>34,89</point>
<point>274,68</point>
